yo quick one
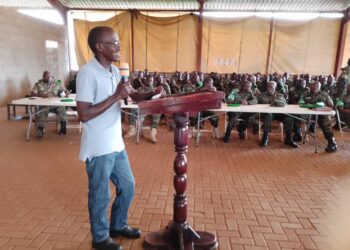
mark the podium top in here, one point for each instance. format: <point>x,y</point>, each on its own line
<point>189,102</point>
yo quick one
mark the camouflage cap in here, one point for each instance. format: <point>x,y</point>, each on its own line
<point>279,103</point>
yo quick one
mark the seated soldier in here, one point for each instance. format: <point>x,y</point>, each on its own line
<point>344,108</point>
<point>275,99</point>
<point>329,86</point>
<point>138,81</point>
<point>281,87</point>
<point>295,94</point>
<point>213,119</point>
<point>48,87</point>
<point>174,87</point>
<point>314,96</point>
<point>148,87</point>
<point>243,97</point>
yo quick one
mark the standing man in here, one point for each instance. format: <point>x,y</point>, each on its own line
<point>99,92</point>
<point>47,88</point>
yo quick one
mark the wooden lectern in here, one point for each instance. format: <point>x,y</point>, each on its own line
<point>179,235</point>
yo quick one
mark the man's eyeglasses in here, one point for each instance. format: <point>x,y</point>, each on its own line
<point>115,43</point>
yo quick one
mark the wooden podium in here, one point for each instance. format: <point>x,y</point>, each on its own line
<point>179,235</point>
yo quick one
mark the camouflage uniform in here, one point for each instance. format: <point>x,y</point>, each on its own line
<point>294,98</point>
<point>329,88</point>
<point>137,83</point>
<point>324,121</point>
<point>238,97</point>
<point>277,100</point>
<point>345,116</point>
<point>52,89</point>
<point>282,89</point>
<point>188,87</point>
<point>341,85</point>
<point>226,84</point>
<point>155,117</point>
<point>166,87</point>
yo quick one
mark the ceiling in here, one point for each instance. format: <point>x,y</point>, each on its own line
<point>182,5</point>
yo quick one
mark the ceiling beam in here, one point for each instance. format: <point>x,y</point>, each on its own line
<point>56,4</point>
<point>200,34</point>
<point>149,10</point>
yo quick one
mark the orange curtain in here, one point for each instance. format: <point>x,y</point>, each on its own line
<point>122,26</point>
<point>234,45</point>
<point>304,47</point>
<point>165,44</point>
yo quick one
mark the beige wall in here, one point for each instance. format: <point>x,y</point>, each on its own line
<point>24,56</point>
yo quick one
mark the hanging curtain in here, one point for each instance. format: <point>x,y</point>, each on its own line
<point>234,45</point>
<point>305,47</point>
<point>168,38</point>
<point>120,24</point>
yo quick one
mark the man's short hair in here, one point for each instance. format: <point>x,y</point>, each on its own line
<point>95,36</point>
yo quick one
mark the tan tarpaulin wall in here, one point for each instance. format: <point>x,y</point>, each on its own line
<point>304,47</point>
<point>165,44</point>
<point>122,26</point>
<point>235,45</point>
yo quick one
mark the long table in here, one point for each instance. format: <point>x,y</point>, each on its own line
<point>291,110</point>
<point>34,102</point>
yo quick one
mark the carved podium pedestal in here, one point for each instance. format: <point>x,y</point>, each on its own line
<point>179,235</point>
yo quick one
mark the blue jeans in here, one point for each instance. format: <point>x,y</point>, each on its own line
<point>100,170</point>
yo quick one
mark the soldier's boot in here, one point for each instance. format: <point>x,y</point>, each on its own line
<point>289,141</point>
<point>332,145</point>
<point>241,134</point>
<point>265,140</point>
<point>241,129</point>
<point>131,132</point>
<point>40,132</point>
<point>63,129</point>
<point>228,133</point>
<point>216,133</point>
<point>154,135</point>
<point>297,136</point>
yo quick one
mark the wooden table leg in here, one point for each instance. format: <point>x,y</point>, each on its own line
<point>179,235</point>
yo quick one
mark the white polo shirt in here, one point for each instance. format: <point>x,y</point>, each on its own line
<point>103,134</point>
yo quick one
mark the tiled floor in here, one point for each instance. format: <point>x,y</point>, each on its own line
<point>251,198</point>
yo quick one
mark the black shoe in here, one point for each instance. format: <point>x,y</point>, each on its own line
<point>127,232</point>
<point>106,245</point>
<point>297,137</point>
<point>227,135</point>
<point>63,129</point>
<point>265,140</point>
<point>40,132</point>
<point>332,145</point>
<point>241,135</point>
<point>291,143</point>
